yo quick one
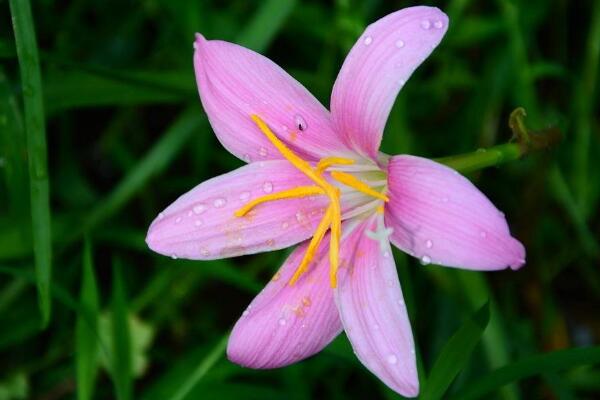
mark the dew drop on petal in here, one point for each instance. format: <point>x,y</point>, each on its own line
<point>246,157</point>
<point>386,254</point>
<point>300,122</point>
<point>483,234</point>
<point>161,216</point>
<point>425,24</point>
<point>425,260</point>
<point>219,202</point>
<point>177,220</point>
<point>263,151</point>
<point>245,313</point>
<point>429,244</point>
<point>368,40</point>
<point>401,302</point>
<point>204,251</point>
<point>174,256</point>
<point>282,321</point>
<point>392,359</point>
<point>189,214</point>
<point>285,225</point>
<point>267,187</point>
<point>401,82</point>
<point>438,24</point>
<point>198,222</point>
<point>199,208</point>
<point>244,196</point>
<point>399,43</point>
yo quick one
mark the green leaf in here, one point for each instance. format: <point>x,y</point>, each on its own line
<point>205,365</point>
<point>455,354</point>
<point>39,189</point>
<point>527,367</point>
<point>121,343</point>
<point>265,24</point>
<point>86,330</point>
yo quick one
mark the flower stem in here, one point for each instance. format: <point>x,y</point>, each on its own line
<point>523,142</point>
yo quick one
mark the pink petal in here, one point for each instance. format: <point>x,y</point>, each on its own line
<point>373,313</point>
<point>440,217</point>
<point>201,224</point>
<point>235,82</point>
<point>377,67</point>
<point>285,324</point>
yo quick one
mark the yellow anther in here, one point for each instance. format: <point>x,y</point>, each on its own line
<point>380,209</point>
<point>329,161</point>
<point>313,245</point>
<point>350,180</point>
<point>301,191</point>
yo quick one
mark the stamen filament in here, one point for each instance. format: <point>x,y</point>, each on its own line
<point>301,191</point>
<point>350,180</point>
<point>314,244</point>
<point>329,161</point>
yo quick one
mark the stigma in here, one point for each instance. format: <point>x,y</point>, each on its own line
<point>332,219</point>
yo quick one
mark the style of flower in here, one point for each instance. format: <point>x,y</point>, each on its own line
<point>312,173</point>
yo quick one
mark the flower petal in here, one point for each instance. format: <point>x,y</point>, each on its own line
<point>377,67</point>
<point>285,324</point>
<point>373,313</point>
<point>201,224</point>
<point>440,217</point>
<point>235,82</point>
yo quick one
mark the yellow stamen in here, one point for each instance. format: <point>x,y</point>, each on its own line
<point>301,191</point>
<point>314,244</point>
<point>332,220</point>
<point>380,209</point>
<point>350,180</point>
<point>329,161</point>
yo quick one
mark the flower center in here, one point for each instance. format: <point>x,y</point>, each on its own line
<point>332,220</point>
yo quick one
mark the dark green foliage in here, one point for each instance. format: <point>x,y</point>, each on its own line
<point>104,129</point>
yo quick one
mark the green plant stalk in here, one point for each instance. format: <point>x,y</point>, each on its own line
<point>27,53</point>
<point>483,158</point>
<point>584,106</point>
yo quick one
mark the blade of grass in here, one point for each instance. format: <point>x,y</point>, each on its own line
<point>153,162</point>
<point>121,363</point>
<point>527,367</point>
<point>86,329</point>
<point>205,366</point>
<point>29,65</point>
<point>455,354</point>
<point>265,24</point>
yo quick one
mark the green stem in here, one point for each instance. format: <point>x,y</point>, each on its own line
<point>483,158</point>
<point>29,64</point>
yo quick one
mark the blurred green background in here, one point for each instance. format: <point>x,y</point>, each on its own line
<point>126,134</point>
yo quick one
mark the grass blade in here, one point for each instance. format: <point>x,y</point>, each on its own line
<point>121,363</point>
<point>530,366</point>
<point>27,53</point>
<point>86,330</point>
<point>206,364</point>
<point>455,354</point>
<point>265,24</point>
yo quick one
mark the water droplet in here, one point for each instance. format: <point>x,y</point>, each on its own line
<point>263,151</point>
<point>267,187</point>
<point>300,123</point>
<point>174,256</point>
<point>244,196</point>
<point>204,251</point>
<point>425,24</point>
<point>425,260</point>
<point>401,302</point>
<point>285,225</point>
<point>429,244</point>
<point>401,82</point>
<point>219,202</point>
<point>284,128</point>
<point>245,313</point>
<point>246,157</point>
<point>386,254</point>
<point>392,359</point>
<point>199,208</point>
<point>483,234</point>
<point>161,216</point>
<point>282,321</point>
<point>368,40</point>
<point>198,222</point>
<point>177,220</point>
<point>438,24</point>
<point>399,44</point>
<point>189,214</point>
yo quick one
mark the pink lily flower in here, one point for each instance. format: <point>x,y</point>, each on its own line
<point>314,173</point>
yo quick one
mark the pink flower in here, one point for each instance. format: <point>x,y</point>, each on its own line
<point>312,173</point>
